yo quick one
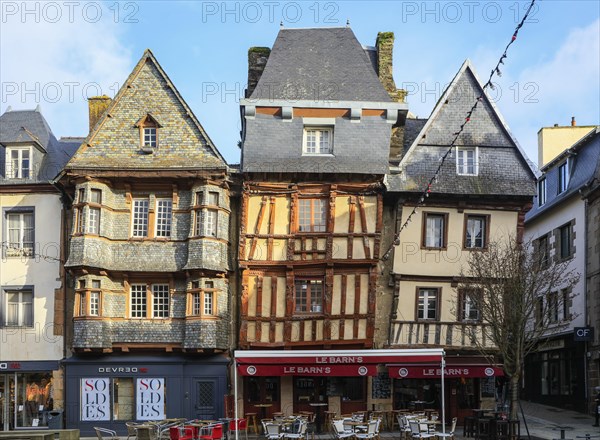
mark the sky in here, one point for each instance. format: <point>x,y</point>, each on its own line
<point>56,54</point>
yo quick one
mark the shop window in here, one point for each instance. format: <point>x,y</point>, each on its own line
<point>20,231</point>
<point>262,389</point>
<point>312,215</point>
<point>18,306</point>
<point>309,296</point>
<point>427,303</point>
<point>123,398</point>
<point>35,398</point>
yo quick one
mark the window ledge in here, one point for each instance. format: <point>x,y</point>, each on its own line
<point>317,154</point>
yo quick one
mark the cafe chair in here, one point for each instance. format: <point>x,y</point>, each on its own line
<point>372,431</point>
<point>146,432</point>
<point>300,433</point>
<point>405,431</point>
<point>181,432</point>
<point>103,433</point>
<point>450,434</point>
<point>237,425</point>
<point>340,430</point>
<point>273,431</point>
<point>419,430</point>
<point>131,433</point>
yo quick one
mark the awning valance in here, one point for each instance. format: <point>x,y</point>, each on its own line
<point>307,370</point>
<point>429,371</point>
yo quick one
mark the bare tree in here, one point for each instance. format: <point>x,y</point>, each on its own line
<point>520,291</point>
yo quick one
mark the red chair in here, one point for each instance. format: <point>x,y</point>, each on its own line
<point>181,433</point>
<point>237,425</point>
<point>211,432</point>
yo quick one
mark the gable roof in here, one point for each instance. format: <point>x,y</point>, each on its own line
<point>503,166</point>
<point>319,64</point>
<point>585,167</point>
<point>114,141</point>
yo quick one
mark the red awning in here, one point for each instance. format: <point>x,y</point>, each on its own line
<point>425,371</point>
<point>307,370</point>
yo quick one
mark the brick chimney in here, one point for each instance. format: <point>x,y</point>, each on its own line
<point>257,60</point>
<point>97,105</point>
<point>385,49</point>
<point>573,122</point>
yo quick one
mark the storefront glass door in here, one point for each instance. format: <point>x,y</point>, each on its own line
<point>7,401</point>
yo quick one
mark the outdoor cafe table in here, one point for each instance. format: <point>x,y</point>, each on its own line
<point>319,417</point>
<point>562,429</point>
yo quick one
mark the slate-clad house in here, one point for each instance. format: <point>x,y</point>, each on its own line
<point>31,273</point>
<point>315,147</point>
<point>563,226</point>
<point>149,260</point>
<point>481,195</point>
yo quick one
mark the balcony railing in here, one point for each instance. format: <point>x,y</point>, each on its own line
<point>451,334</point>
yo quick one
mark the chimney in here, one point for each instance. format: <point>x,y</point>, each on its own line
<point>97,105</point>
<point>257,60</point>
<point>573,122</point>
<point>385,49</point>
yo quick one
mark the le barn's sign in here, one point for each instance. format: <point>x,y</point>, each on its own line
<point>453,372</point>
<point>308,370</point>
<point>150,399</point>
<point>95,399</point>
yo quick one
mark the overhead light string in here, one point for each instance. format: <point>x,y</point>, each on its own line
<point>427,190</point>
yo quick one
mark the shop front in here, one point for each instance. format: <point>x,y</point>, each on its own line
<point>295,381</point>
<point>469,383</point>
<point>26,393</point>
<point>109,391</point>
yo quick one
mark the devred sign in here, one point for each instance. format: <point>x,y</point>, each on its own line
<point>432,372</point>
<point>307,370</point>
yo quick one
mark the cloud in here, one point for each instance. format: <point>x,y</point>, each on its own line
<point>57,57</point>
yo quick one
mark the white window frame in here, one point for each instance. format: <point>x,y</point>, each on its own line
<point>563,176</point>
<point>428,300</point>
<point>20,250</point>
<point>471,239</point>
<point>318,148</point>
<point>93,223</point>
<point>161,299</point>
<point>139,218</point>
<point>150,136</point>
<point>542,191</point>
<point>18,173</point>
<point>431,231</point>
<point>208,304</point>
<point>21,310</point>
<point>162,227</point>
<point>470,299</point>
<point>211,222</point>
<point>462,167</point>
<point>138,301</point>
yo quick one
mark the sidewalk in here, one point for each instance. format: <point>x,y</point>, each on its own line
<point>539,419</point>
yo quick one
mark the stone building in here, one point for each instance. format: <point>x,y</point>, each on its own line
<point>480,195</point>
<point>149,260</point>
<point>315,148</point>
<point>32,290</point>
<point>563,225</point>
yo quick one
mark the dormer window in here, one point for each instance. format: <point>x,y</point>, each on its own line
<point>18,163</point>
<point>317,140</point>
<point>542,191</point>
<point>563,177</point>
<point>467,163</point>
<point>148,132</point>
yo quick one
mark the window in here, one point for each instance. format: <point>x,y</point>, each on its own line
<point>202,301</point>
<point>467,163</point>
<point>18,163</point>
<point>434,230</point>
<point>427,302</point>
<point>312,215</point>
<point>211,222</point>
<point>309,296</point>
<point>149,137</point>
<point>140,218</point>
<point>542,192</point>
<point>208,303</point>
<point>89,299</point>
<point>19,308</point>
<point>475,232</point>
<point>142,302</point>
<point>553,316</point>
<point>164,209</point>
<point>95,301</point>
<point>470,300</point>
<point>213,198</point>
<point>563,177</point>
<point>138,301</point>
<point>318,141</point>
<point>160,300</point>
<point>206,216</point>
<point>565,241</point>
<point>20,232</point>
<point>543,251</point>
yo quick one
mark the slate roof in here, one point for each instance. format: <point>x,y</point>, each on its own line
<point>585,157</point>
<point>319,64</point>
<point>30,127</point>
<point>503,166</point>
<point>114,142</point>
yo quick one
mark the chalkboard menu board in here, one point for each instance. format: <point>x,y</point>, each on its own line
<point>488,387</point>
<point>382,386</point>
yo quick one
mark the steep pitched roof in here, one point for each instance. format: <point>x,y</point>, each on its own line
<point>319,64</point>
<point>503,166</point>
<point>585,157</point>
<point>114,142</point>
<point>17,126</point>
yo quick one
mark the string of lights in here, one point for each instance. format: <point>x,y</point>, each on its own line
<point>433,179</point>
